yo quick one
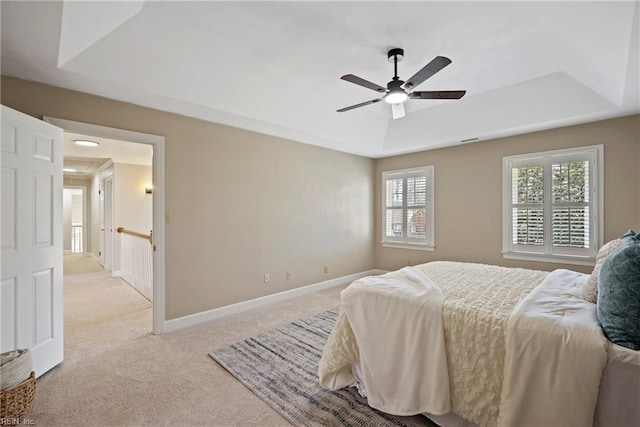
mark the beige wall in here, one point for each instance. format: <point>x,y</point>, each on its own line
<point>243,204</point>
<point>132,207</point>
<point>468,191</point>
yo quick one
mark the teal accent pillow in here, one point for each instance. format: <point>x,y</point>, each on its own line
<point>629,233</point>
<point>590,288</point>
<point>618,306</point>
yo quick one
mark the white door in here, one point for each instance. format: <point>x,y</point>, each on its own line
<point>31,238</point>
<point>101,221</point>
<point>108,223</point>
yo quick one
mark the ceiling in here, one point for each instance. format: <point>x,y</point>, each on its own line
<point>275,67</point>
<point>87,160</point>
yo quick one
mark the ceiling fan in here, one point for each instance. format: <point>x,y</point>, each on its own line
<point>398,91</point>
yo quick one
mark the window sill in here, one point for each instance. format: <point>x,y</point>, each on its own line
<point>556,259</point>
<point>412,246</point>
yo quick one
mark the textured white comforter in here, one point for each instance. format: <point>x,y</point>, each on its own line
<point>515,357</point>
<point>478,300</point>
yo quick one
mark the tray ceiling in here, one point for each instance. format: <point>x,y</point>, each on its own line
<point>275,67</point>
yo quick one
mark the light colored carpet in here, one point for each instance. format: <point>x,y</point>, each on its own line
<point>116,373</point>
<point>80,263</point>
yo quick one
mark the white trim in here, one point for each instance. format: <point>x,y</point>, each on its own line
<point>560,152</point>
<point>217,313</point>
<point>410,246</point>
<point>109,215</point>
<point>91,254</point>
<point>556,259</point>
<point>104,166</point>
<point>158,143</point>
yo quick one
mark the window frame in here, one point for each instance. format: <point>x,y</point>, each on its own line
<point>547,252</point>
<point>403,242</point>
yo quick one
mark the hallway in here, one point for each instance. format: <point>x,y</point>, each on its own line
<point>80,263</point>
<point>116,373</point>
<point>101,312</point>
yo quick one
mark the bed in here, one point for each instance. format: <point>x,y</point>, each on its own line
<point>473,344</point>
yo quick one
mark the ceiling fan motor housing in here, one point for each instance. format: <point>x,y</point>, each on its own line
<point>395,54</point>
<point>395,85</point>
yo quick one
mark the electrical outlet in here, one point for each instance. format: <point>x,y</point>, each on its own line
<point>267,278</point>
<point>289,275</point>
<point>168,217</point>
<point>409,262</point>
<point>326,269</point>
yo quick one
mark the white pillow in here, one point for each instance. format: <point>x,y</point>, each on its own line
<point>590,289</point>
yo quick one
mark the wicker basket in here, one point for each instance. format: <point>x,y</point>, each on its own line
<point>16,402</point>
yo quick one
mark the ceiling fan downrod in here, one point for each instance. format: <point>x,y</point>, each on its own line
<point>395,93</point>
<point>395,55</point>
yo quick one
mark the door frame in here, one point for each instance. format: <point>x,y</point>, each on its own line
<point>108,224</point>
<point>157,141</point>
<point>85,224</point>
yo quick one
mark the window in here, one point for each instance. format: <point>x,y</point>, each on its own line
<point>553,205</point>
<point>407,208</point>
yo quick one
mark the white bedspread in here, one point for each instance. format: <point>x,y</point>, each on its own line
<point>479,300</point>
<point>520,347</point>
<point>396,320</point>
<point>556,352</point>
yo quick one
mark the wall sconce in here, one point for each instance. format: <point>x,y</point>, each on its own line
<point>148,190</point>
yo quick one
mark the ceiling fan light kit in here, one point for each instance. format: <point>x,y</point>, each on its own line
<point>396,97</point>
<point>398,91</point>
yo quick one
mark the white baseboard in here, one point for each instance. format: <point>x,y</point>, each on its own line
<point>216,313</point>
<point>92,255</point>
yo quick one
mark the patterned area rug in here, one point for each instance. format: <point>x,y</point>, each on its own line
<point>281,367</point>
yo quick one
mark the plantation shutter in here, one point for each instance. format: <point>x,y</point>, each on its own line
<point>570,202</point>
<point>407,206</point>
<point>550,205</point>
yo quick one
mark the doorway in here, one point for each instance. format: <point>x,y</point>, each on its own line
<point>74,214</point>
<point>108,223</point>
<point>157,182</point>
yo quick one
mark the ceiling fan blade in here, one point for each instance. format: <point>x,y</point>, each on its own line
<point>362,104</point>
<point>438,94</point>
<point>397,110</point>
<point>437,64</point>
<point>362,82</point>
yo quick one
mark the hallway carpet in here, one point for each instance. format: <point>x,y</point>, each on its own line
<point>116,373</point>
<point>80,263</point>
